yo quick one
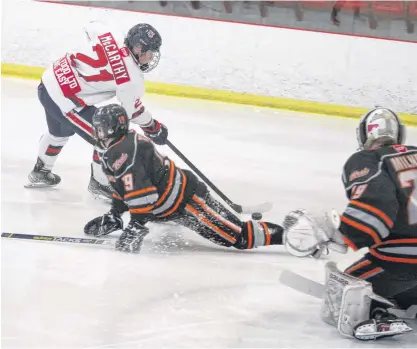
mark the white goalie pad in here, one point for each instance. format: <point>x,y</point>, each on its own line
<point>347,300</point>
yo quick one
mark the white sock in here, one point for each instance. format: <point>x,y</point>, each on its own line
<point>49,149</point>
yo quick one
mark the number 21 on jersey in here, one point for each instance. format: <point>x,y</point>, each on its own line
<point>99,62</point>
<point>408,179</point>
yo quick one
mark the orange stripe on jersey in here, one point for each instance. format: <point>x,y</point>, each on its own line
<point>180,198</point>
<point>215,215</point>
<point>375,210</point>
<point>170,182</point>
<point>362,228</point>
<point>147,209</point>
<point>250,235</point>
<point>209,224</point>
<point>393,259</point>
<point>119,141</point>
<point>140,192</point>
<point>371,273</point>
<point>117,196</point>
<point>357,266</point>
<point>267,234</point>
<point>350,243</point>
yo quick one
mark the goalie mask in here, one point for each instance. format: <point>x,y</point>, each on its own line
<point>380,126</point>
<point>144,43</point>
<point>110,123</point>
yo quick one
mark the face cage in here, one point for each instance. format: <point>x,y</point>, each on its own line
<point>366,143</point>
<point>101,136</point>
<point>146,68</point>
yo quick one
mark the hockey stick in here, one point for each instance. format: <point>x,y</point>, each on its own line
<point>65,239</point>
<point>255,209</point>
<point>317,290</point>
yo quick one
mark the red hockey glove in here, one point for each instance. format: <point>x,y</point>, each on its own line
<point>157,132</point>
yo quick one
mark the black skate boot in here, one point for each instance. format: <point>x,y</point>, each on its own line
<point>99,191</point>
<point>41,177</point>
<point>382,324</point>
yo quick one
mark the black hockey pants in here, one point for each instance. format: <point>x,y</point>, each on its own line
<point>391,268</point>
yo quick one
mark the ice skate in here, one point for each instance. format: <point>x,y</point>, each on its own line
<point>41,177</point>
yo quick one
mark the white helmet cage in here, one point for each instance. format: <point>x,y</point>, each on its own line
<point>380,124</point>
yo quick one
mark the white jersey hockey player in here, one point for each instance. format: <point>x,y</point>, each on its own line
<point>75,83</point>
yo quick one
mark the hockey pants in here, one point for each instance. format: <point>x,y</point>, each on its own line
<point>391,267</point>
<point>61,127</point>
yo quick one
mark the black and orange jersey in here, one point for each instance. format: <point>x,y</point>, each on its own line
<point>145,182</point>
<point>381,185</point>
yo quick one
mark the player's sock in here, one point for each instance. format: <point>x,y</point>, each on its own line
<point>49,148</point>
<point>256,234</point>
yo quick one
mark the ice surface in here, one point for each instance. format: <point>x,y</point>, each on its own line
<point>181,291</point>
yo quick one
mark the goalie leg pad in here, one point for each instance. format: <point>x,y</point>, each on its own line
<point>347,300</point>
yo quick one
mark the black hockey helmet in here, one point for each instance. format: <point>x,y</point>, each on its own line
<point>110,123</point>
<point>149,40</point>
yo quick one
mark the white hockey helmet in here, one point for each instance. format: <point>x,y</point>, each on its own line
<point>382,126</point>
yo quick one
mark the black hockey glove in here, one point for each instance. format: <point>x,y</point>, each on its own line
<point>132,237</point>
<point>104,225</point>
<point>157,132</point>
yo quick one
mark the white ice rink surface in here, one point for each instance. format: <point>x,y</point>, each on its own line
<point>181,291</point>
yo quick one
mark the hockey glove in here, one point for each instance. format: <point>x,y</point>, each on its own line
<point>132,237</point>
<point>157,132</point>
<point>308,235</point>
<point>104,225</point>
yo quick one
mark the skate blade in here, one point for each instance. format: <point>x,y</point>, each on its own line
<point>39,185</point>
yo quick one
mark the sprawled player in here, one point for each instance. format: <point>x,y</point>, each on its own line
<point>381,184</point>
<point>113,66</point>
<point>152,188</point>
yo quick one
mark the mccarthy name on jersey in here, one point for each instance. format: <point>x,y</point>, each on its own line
<point>98,73</point>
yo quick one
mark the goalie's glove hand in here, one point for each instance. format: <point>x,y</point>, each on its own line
<point>104,225</point>
<point>309,235</point>
<point>157,132</point>
<point>132,237</point>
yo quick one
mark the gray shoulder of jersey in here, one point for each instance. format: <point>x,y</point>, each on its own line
<point>121,156</point>
<point>360,168</point>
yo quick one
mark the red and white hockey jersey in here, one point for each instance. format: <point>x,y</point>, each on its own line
<point>107,70</point>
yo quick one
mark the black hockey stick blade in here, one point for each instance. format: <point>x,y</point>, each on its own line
<point>62,239</point>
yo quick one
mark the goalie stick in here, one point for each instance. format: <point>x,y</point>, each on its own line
<point>64,239</point>
<point>253,209</point>
<point>316,289</point>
